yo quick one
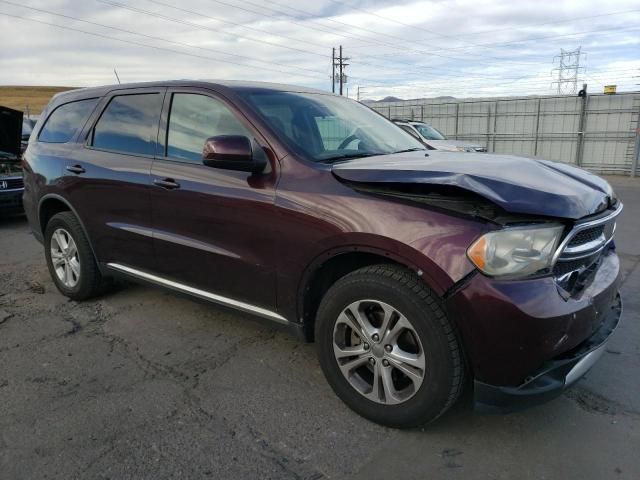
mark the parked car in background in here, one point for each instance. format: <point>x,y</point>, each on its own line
<point>435,139</point>
<point>11,182</point>
<point>416,272</point>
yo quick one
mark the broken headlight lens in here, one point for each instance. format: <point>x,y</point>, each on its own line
<point>516,251</point>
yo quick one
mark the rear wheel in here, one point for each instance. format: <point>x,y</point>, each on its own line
<point>387,347</point>
<point>69,257</point>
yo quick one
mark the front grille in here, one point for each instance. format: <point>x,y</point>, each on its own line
<point>586,236</point>
<point>12,183</point>
<point>568,266</point>
<point>580,252</point>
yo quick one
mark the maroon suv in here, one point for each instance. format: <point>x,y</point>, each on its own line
<point>416,272</point>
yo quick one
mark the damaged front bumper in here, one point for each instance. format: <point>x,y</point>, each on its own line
<point>554,376</point>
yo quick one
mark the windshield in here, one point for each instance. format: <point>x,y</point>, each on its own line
<point>327,128</point>
<point>429,132</point>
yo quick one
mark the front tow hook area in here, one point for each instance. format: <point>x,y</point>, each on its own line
<point>554,376</point>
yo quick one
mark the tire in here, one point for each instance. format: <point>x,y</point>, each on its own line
<point>86,280</point>
<point>418,332</point>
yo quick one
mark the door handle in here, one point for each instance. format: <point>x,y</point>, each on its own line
<point>168,183</point>
<point>75,169</point>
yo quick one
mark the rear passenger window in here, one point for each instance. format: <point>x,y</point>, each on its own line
<point>129,124</point>
<point>193,119</point>
<point>65,120</point>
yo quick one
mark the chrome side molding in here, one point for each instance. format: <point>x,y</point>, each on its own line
<point>196,292</point>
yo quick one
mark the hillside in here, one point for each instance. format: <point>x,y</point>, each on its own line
<point>36,98</point>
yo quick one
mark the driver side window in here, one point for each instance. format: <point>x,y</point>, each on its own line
<point>334,132</point>
<point>194,118</point>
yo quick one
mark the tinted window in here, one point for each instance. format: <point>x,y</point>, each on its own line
<point>129,124</point>
<point>329,128</point>
<point>429,132</point>
<point>193,119</point>
<point>65,120</point>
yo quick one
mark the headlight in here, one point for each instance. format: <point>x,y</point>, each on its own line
<point>517,251</point>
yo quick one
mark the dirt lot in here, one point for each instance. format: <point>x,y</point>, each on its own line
<point>145,384</point>
<point>36,98</point>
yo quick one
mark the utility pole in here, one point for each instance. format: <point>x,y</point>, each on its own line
<point>568,70</point>
<point>341,67</point>
<point>342,77</point>
<point>333,70</point>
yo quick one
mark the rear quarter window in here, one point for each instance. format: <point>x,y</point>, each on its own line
<point>65,120</point>
<point>129,124</point>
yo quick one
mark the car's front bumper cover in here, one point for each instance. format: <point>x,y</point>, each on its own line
<point>556,375</point>
<point>11,201</point>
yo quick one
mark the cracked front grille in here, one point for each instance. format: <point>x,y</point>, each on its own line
<point>579,254</point>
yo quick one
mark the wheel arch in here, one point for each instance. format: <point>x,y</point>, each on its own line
<point>52,204</point>
<point>334,264</point>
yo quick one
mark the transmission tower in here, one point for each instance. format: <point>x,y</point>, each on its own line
<point>568,70</point>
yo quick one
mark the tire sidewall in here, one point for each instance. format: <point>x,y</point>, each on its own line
<point>432,396</point>
<point>85,255</point>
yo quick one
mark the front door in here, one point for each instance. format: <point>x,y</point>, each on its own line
<point>211,226</point>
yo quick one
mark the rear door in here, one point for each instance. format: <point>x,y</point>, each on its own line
<point>213,228</point>
<point>108,181</point>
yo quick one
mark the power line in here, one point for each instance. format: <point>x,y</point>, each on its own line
<point>555,22</point>
<point>151,37</point>
<point>513,42</point>
<point>203,27</point>
<point>131,42</point>
<point>402,47</point>
<point>431,70</point>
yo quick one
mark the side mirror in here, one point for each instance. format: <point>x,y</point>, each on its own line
<point>231,152</point>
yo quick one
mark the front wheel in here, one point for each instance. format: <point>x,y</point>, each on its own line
<point>387,347</point>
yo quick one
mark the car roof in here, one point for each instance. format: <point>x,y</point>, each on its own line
<point>231,85</point>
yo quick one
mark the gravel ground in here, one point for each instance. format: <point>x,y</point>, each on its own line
<point>142,383</point>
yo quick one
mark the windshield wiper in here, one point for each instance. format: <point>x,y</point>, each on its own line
<point>347,156</point>
<point>414,149</point>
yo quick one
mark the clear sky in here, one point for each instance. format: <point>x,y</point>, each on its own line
<point>406,49</point>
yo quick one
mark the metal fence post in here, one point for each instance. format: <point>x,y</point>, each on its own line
<point>422,113</point>
<point>488,134</point>
<point>495,124</point>
<point>636,149</point>
<point>457,113</point>
<point>535,145</point>
<point>389,114</point>
<point>581,125</point>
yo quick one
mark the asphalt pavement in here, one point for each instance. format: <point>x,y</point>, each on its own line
<point>144,384</point>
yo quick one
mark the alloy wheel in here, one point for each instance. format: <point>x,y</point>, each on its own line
<point>379,352</point>
<point>65,258</point>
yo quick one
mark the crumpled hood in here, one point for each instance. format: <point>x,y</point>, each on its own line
<point>516,184</point>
